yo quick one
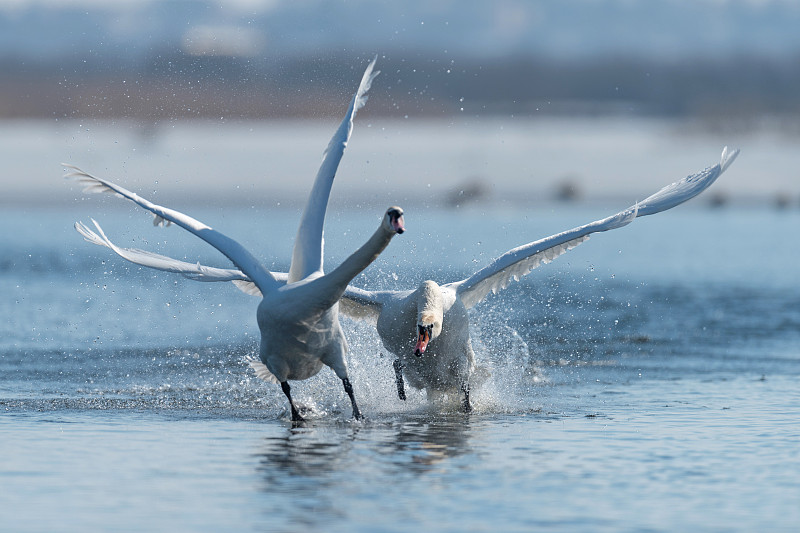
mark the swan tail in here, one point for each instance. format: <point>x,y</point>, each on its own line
<point>261,370</point>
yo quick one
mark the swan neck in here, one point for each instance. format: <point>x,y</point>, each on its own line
<point>429,303</point>
<point>360,259</point>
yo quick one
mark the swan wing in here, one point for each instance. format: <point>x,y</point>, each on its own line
<point>363,304</point>
<point>307,253</point>
<point>194,271</point>
<point>521,260</point>
<point>234,251</point>
<point>247,287</point>
<point>687,188</point>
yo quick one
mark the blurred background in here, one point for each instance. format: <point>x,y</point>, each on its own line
<point>508,100</point>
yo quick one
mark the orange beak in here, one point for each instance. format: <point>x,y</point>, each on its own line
<point>398,224</point>
<point>423,339</point>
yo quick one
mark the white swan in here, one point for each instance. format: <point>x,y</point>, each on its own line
<point>427,328</point>
<point>298,315</point>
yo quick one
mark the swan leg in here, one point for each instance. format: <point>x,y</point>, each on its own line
<point>348,388</point>
<point>466,404</point>
<point>398,376</point>
<point>295,414</point>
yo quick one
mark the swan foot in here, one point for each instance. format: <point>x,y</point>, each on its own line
<point>466,404</point>
<point>398,375</point>
<point>295,413</point>
<point>348,388</point>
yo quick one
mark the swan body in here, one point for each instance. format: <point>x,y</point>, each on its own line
<point>299,321</point>
<point>298,316</point>
<point>427,328</point>
<point>407,323</point>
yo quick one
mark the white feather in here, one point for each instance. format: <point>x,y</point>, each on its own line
<point>307,253</point>
<point>194,271</point>
<point>500,279</point>
<point>520,261</point>
<point>238,255</point>
<point>299,322</point>
<point>399,313</point>
<point>247,287</point>
<point>261,370</point>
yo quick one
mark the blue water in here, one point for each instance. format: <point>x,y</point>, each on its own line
<point>645,381</point>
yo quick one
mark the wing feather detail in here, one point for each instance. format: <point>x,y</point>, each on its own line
<point>193,271</point>
<point>687,188</point>
<point>520,261</point>
<point>234,251</point>
<point>511,266</point>
<point>361,304</point>
<point>308,248</point>
<point>247,287</point>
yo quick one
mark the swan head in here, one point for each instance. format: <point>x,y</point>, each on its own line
<point>393,220</point>
<point>430,315</point>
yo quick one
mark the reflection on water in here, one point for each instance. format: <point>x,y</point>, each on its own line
<point>301,463</point>
<point>416,445</point>
<point>319,449</point>
<point>306,450</point>
<point>309,465</point>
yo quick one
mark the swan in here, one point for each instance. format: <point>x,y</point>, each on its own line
<point>298,316</point>
<point>427,328</point>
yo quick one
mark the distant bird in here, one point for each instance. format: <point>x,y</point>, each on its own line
<point>427,328</point>
<point>299,314</point>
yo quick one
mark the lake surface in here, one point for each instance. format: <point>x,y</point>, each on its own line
<point>645,381</point>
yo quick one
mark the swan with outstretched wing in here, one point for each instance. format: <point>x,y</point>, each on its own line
<point>298,313</point>
<point>427,328</point>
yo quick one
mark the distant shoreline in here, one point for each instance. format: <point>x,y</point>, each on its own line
<point>461,162</point>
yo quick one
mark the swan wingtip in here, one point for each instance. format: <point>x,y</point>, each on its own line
<point>728,157</point>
